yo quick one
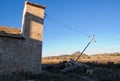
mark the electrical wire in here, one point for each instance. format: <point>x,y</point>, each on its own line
<point>65,25</point>
<point>76,30</point>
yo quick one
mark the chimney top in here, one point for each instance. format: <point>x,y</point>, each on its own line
<point>36,5</point>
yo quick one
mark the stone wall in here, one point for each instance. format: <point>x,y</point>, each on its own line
<point>20,54</point>
<point>21,50</point>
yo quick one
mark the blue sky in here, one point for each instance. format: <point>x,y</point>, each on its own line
<point>69,23</point>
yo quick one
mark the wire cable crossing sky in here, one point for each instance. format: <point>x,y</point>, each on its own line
<point>65,25</point>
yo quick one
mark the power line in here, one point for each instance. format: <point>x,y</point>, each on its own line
<point>76,30</point>
<point>64,25</point>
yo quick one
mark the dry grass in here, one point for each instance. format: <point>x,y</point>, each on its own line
<point>100,58</point>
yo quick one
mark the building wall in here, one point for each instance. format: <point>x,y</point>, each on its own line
<point>20,55</point>
<point>22,51</point>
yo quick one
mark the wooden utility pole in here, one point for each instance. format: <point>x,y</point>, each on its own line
<point>92,38</point>
<point>72,64</point>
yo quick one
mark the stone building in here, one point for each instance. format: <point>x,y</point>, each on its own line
<point>21,49</point>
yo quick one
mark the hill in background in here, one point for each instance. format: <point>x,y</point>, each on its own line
<point>100,58</point>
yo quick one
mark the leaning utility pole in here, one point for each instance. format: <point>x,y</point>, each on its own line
<point>92,38</point>
<point>72,64</point>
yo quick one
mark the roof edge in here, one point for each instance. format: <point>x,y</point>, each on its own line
<point>36,5</point>
<point>16,36</point>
